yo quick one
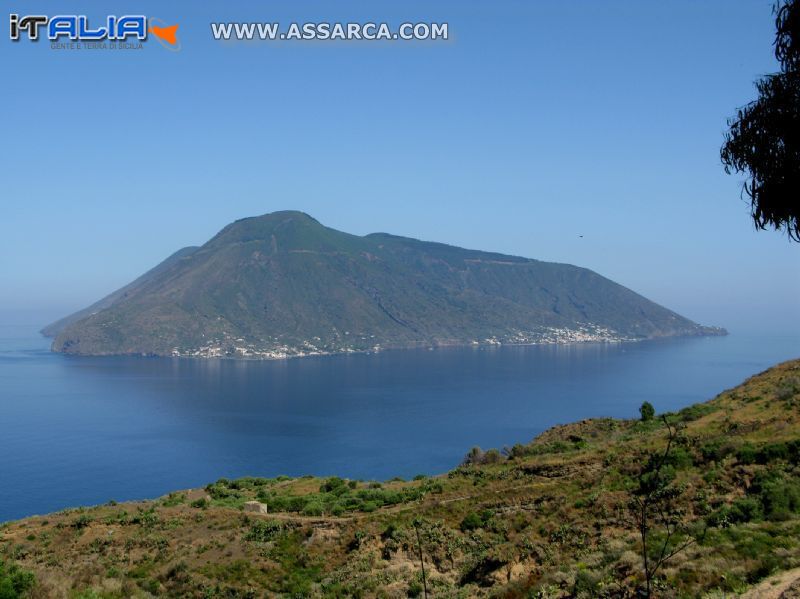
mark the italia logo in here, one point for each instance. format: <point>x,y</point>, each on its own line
<point>77,28</point>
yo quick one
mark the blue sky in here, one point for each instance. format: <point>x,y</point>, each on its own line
<point>537,122</point>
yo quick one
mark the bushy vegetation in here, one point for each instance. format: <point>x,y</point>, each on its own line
<point>336,497</point>
<point>263,531</point>
<point>14,581</point>
<point>773,495</point>
<point>693,412</point>
<point>473,520</point>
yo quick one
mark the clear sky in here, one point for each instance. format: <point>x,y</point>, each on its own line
<point>537,123</point>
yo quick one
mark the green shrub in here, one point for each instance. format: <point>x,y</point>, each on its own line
<point>249,482</point>
<point>432,486</point>
<point>771,496</point>
<point>520,451</point>
<point>414,588</point>
<point>82,521</point>
<point>789,451</point>
<point>746,509</point>
<point>586,583</point>
<point>334,485</point>
<point>222,490</point>
<point>517,451</point>
<point>471,521</point>
<point>277,503</point>
<point>14,581</point>
<point>715,451</point>
<point>647,411</point>
<point>263,531</point>
<point>771,452</point>
<point>474,520</point>
<point>746,454</point>
<point>151,586</point>
<point>492,456</point>
<point>173,499</point>
<point>313,508</point>
<point>679,458</point>
<point>695,412</point>
<point>146,518</point>
<point>296,504</point>
<point>780,498</point>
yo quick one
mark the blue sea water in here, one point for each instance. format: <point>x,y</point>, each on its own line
<point>82,430</point>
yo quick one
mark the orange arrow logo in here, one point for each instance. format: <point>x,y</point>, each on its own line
<point>166,33</point>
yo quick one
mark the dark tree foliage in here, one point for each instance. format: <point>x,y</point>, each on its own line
<point>647,411</point>
<point>787,39</point>
<point>764,138</point>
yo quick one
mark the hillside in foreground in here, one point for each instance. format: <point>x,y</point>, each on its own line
<point>558,517</point>
<point>282,284</point>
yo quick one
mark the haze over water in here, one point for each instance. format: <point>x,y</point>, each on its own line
<point>77,431</point>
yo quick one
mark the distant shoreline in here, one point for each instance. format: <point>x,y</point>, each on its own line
<point>709,332</point>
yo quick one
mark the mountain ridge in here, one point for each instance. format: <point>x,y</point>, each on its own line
<point>283,284</point>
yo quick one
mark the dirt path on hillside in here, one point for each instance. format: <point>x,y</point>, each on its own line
<point>785,585</point>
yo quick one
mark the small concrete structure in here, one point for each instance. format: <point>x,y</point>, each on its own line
<point>255,507</point>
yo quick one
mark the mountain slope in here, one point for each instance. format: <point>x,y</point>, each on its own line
<point>283,284</point>
<point>56,327</point>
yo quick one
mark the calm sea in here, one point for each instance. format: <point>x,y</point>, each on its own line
<point>79,431</point>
